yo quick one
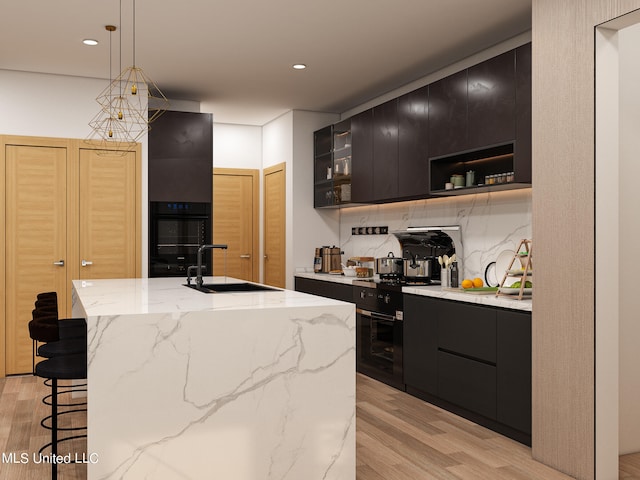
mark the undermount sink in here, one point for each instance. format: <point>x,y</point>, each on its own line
<point>231,287</point>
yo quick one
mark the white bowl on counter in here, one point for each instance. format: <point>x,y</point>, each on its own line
<point>349,271</point>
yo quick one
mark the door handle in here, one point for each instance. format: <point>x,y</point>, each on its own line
<point>86,263</point>
<point>266,257</point>
<point>246,255</point>
<point>59,263</point>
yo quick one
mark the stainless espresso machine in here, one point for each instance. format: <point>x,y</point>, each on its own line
<point>421,247</point>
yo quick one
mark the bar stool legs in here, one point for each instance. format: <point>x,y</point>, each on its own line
<point>67,367</point>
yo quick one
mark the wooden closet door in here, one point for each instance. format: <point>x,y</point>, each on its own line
<point>235,222</point>
<point>36,239</point>
<point>274,182</point>
<point>107,216</point>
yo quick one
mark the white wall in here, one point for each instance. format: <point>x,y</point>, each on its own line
<point>277,141</point>
<point>313,227</point>
<point>607,254</point>
<point>289,139</point>
<point>617,230</point>
<point>47,105</point>
<point>629,245</point>
<point>237,146</point>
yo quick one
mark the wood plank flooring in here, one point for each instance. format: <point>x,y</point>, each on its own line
<point>21,410</point>
<point>399,437</point>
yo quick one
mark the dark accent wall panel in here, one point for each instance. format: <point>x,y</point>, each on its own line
<point>181,157</point>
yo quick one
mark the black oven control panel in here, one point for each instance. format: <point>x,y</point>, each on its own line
<point>378,297</point>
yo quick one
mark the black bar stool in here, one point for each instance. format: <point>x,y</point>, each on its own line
<point>63,367</point>
<point>47,303</point>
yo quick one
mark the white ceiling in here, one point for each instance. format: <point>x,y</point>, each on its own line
<point>235,56</point>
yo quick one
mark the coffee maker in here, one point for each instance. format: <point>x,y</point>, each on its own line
<point>327,259</point>
<point>421,247</point>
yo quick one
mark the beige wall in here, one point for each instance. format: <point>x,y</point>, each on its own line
<point>629,234</point>
<point>564,409</point>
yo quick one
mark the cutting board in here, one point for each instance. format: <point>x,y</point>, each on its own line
<point>474,291</point>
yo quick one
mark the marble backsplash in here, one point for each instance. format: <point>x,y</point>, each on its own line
<point>490,223</point>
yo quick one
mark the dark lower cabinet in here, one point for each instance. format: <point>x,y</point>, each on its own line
<point>468,330</point>
<point>472,360</point>
<point>467,383</point>
<point>420,346</point>
<point>337,291</point>
<point>514,374</point>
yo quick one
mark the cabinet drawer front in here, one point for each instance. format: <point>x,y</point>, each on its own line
<point>514,370</point>
<point>420,347</point>
<point>467,383</point>
<point>468,330</point>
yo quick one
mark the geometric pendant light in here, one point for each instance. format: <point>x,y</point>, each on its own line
<point>125,113</point>
<point>110,133</point>
<point>131,93</point>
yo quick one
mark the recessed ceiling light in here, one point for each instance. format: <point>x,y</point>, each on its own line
<point>299,66</point>
<point>90,41</point>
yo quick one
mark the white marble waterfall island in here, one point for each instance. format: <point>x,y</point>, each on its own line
<point>233,386</point>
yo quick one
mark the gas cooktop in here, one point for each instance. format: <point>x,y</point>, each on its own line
<point>389,283</point>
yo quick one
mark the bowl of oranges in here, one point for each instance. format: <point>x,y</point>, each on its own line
<point>476,285</point>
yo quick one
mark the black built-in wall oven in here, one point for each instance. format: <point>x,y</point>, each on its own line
<point>176,230</point>
<point>379,327</point>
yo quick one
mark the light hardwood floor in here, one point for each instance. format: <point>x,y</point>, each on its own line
<point>399,437</point>
<point>21,410</point>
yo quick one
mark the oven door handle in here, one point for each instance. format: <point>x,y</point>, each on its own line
<point>376,316</point>
<point>178,245</point>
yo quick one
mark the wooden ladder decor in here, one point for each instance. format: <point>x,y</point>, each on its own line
<point>523,270</point>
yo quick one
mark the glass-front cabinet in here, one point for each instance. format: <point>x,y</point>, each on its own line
<point>332,165</point>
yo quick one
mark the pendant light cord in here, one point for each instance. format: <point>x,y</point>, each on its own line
<point>134,34</point>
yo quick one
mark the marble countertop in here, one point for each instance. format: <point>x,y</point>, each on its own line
<point>492,300</point>
<point>242,386</point>
<point>169,295</point>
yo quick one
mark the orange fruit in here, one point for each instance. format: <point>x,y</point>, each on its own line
<point>466,283</point>
<point>478,283</point>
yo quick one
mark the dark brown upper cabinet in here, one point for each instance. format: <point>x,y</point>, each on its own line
<point>496,143</point>
<point>323,168</point>
<point>523,114</point>
<point>478,119</point>
<point>362,157</point>
<point>448,120</point>
<point>491,94</point>
<point>413,151</point>
<point>385,151</point>
<point>181,157</point>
